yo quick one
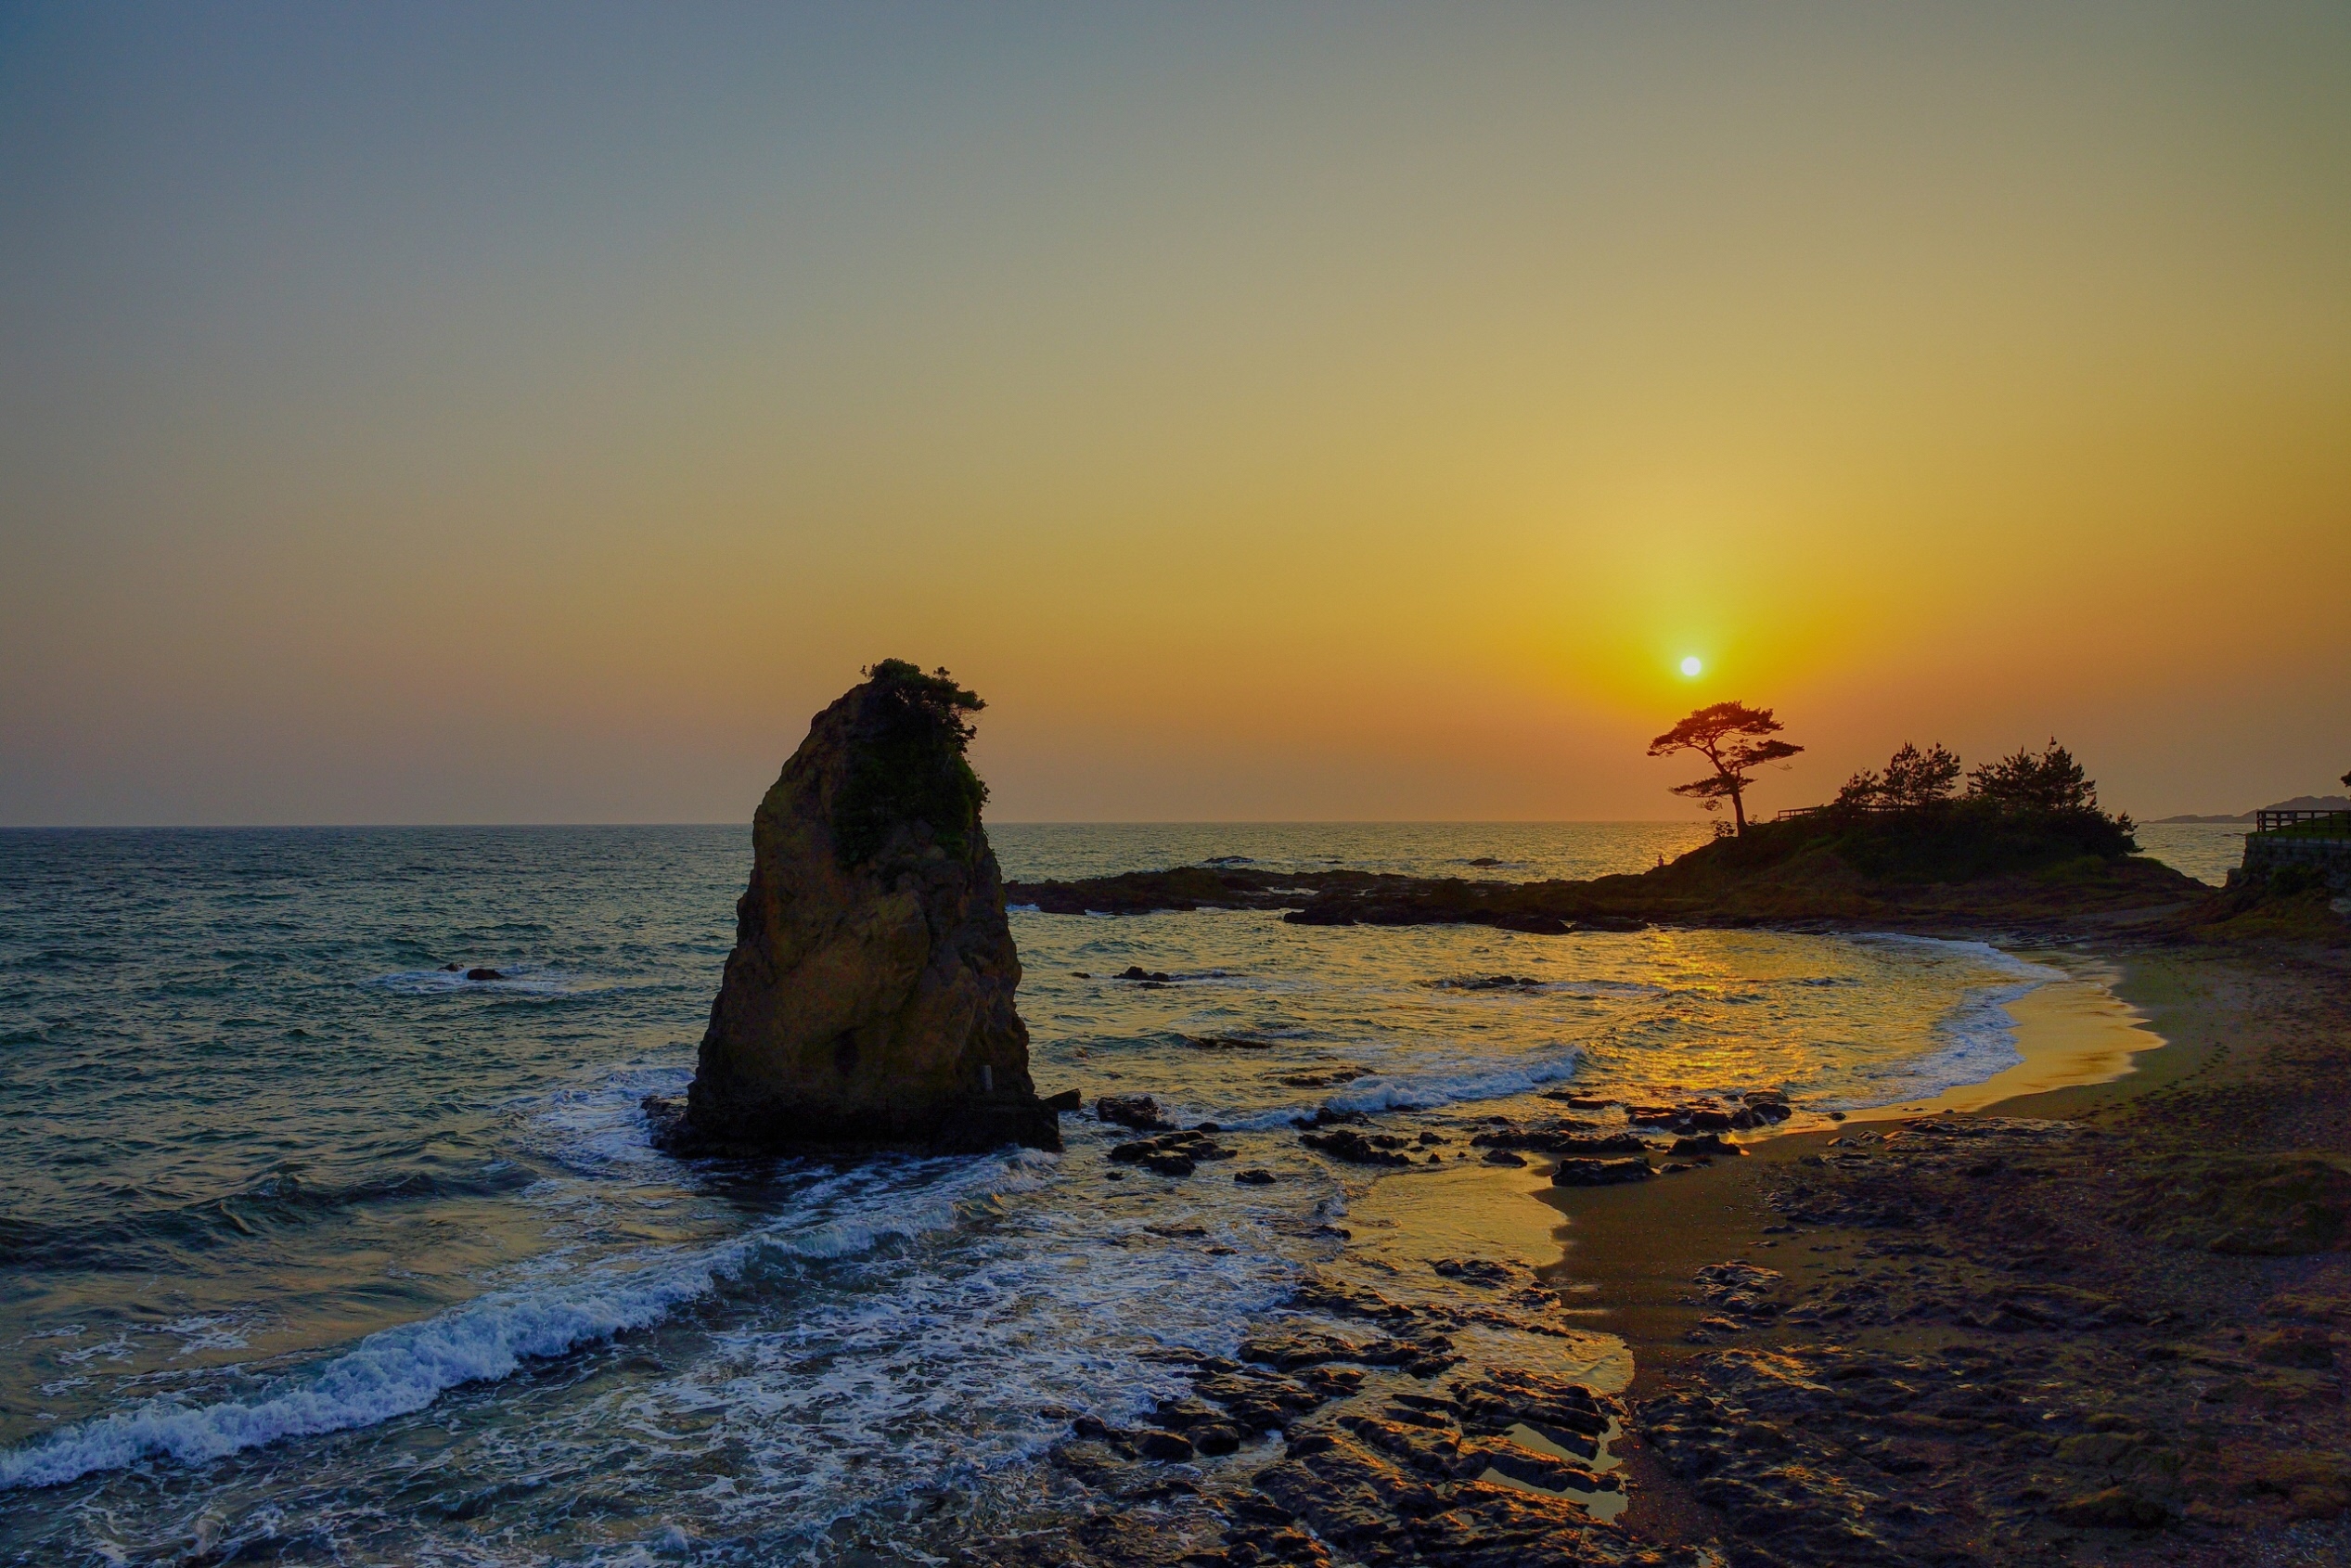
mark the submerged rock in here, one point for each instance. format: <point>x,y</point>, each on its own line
<point>1137,1110</point>
<point>1600,1172</point>
<point>1560,1137</point>
<point>1356,1149</point>
<point>869,999</point>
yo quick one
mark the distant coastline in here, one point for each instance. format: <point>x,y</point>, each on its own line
<point>2300,802</point>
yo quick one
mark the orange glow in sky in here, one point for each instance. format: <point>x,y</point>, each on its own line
<point>1314,413</point>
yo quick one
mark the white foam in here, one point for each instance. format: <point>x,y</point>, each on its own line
<point>1984,952</point>
<point>1410,1091</point>
<point>1977,1036</point>
<point>926,1370</point>
<point>204,1332</point>
<point>1420,1091</point>
<point>401,1370</point>
<point>603,1125</point>
<point>388,1374</point>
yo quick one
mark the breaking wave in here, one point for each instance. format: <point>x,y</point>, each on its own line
<point>401,1370</point>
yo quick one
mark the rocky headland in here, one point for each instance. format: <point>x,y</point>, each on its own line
<point>869,998</point>
<point>1923,871</point>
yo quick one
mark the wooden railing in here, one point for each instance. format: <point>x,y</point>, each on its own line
<point>1848,810</point>
<point>2302,821</point>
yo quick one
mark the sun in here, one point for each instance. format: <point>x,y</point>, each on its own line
<point>1690,665</point>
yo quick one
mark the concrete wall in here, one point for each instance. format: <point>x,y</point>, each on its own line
<point>2266,853</point>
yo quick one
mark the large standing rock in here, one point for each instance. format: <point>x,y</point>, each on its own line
<point>869,998</point>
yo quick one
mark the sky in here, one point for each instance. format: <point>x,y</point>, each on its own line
<point>536,412</point>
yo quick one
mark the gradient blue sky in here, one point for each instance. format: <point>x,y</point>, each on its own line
<point>519,413</point>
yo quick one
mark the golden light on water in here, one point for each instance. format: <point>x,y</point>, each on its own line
<point>1691,667</point>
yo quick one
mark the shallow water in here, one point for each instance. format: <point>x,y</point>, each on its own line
<point>313,1250</point>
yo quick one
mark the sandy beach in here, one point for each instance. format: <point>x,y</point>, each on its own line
<point>2090,1310</point>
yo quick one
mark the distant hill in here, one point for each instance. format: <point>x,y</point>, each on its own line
<point>2300,802</point>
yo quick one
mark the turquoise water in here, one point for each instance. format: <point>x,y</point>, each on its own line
<point>313,1250</point>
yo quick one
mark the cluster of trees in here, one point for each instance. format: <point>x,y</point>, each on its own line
<point>2046,781</point>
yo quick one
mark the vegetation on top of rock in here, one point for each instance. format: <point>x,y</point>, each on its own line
<point>2022,813</point>
<point>1958,841</point>
<point>911,766</point>
<point>2290,903</point>
<point>870,1000</point>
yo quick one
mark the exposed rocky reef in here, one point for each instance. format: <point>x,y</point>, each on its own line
<point>1350,1428</point>
<point>869,998</point>
<point>1974,1349</point>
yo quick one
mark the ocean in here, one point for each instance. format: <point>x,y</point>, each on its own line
<point>314,1251</point>
<point>2206,850</point>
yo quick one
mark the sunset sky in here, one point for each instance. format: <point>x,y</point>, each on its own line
<point>515,414</point>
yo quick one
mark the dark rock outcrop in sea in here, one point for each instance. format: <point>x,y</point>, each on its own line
<point>1906,870</point>
<point>868,1001</point>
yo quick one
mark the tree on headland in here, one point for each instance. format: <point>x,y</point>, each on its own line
<point>2046,781</point>
<point>1913,780</point>
<point>1736,739</point>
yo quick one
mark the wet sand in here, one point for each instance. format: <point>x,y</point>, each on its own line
<point>1633,1249</point>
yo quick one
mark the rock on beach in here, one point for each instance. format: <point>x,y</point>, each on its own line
<point>869,998</point>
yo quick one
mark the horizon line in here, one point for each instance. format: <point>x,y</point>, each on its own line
<point>1010,822</point>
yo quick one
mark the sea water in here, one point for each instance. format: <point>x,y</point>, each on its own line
<point>2206,850</point>
<point>314,1250</point>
